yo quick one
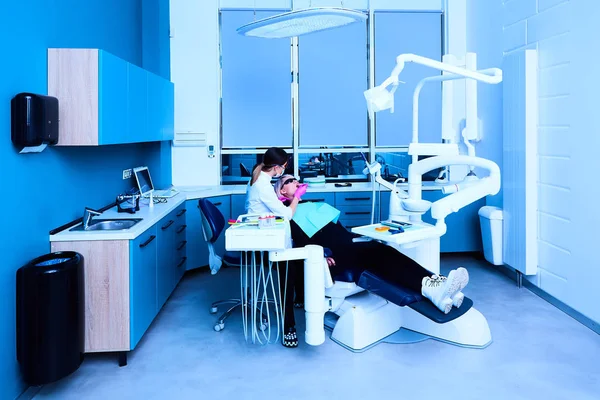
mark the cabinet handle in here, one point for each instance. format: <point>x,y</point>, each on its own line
<point>357,212</point>
<point>357,198</point>
<point>316,200</point>
<point>147,242</point>
<point>181,245</point>
<point>181,228</point>
<point>183,260</point>
<point>218,203</point>
<point>180,213</point>
<point>167,225</point>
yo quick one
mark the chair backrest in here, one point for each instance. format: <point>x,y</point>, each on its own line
<point>213,221</point>
<point>244,170</point>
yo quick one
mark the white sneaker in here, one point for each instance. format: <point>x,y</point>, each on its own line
<point>458,298</point>
<point>441,290</point>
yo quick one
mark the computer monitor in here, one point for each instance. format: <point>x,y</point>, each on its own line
<point>144,181</point>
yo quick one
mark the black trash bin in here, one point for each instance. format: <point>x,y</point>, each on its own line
<point>50,317</point>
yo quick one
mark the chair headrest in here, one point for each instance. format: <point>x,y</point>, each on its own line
<point>213,221</point>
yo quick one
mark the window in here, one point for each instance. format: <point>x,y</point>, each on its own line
<point>335,166</point>
<point>256,86</point>
<point>236,168</point>
<point>333,69</point>
<point>395,165</point>
<point>321,116</point>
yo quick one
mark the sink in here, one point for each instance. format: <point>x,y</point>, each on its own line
<point>108,225</point>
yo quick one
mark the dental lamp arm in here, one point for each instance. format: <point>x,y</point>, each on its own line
<point>439,78</point>
<point>492,75</point>
<point>489,185</point>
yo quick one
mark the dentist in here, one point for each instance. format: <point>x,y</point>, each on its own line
<point>260,196</point>
<point>261,199</point>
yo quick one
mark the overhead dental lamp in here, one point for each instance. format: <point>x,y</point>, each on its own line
<point>301,22</point>
<point>379,98</point>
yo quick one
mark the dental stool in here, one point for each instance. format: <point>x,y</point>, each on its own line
<point>213,223</point>
<point>369,309</point>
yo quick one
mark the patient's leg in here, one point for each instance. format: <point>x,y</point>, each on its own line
<point>402,270</point>
<point>391,265</point>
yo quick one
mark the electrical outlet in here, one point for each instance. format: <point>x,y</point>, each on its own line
<point>127,173</point>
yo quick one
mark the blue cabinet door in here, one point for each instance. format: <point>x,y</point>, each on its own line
<point>137,107</point>
<point>238,205</point>
<point>154,100</point>
<point>168,110</point>
<point>142,284</point>
<point>161,109</point>
<point>197,250</point>
<point>112,99</point>
<point>166,259</point>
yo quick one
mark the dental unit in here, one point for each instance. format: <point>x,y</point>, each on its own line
<point>364,310</point>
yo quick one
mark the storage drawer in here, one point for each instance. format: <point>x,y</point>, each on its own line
<point>354,212</point>
<point>326,197</point>
<point>353,198</point>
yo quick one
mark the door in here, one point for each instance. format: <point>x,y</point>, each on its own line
<point>142,283</point>
<point>166,258</point>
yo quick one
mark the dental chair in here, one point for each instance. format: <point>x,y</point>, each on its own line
<point>213,223</point>
<point>369,309</point>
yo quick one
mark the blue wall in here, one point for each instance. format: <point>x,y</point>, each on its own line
<point>51,188</point>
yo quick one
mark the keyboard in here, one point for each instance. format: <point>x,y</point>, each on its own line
<point>165,193</point>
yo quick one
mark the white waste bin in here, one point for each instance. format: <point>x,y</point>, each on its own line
<point>491,220</point>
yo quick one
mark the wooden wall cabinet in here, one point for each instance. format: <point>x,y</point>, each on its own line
<point>106,100</point>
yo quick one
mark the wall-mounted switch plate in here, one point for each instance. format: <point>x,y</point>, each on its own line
<point>127,173</point>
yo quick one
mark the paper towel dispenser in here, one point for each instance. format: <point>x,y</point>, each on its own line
<point>34,119</point>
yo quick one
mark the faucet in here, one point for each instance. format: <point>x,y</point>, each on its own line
<point>88,214</point>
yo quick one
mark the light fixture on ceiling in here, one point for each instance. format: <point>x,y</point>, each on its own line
<point>301,22</point>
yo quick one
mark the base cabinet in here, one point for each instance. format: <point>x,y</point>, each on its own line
<point>142,284</point>
<point>170,255</point>
<point>128,281</point>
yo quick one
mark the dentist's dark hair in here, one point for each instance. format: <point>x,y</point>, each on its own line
<point>272,157</point>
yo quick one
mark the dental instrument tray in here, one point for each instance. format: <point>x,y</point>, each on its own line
<point>398,233</point>
<point>248,237</point>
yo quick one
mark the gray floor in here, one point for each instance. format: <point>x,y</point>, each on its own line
<point>538,353</point>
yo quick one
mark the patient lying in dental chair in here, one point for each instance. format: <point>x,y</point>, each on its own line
<point>318,225</point>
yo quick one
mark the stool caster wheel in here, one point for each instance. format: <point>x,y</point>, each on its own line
<point>219,327</point>
<point>213,310</point>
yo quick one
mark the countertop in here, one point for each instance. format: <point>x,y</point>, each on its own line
<point>197,192</point>
<point>150,216</point>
